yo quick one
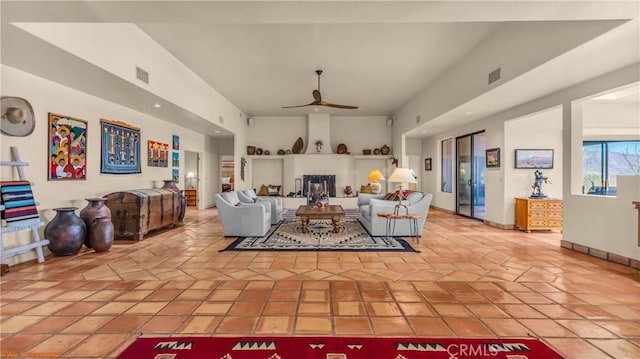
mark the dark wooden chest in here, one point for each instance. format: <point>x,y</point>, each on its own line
<point>136,212</point>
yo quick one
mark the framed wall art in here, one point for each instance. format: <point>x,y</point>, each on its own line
<point>67,148</point>
<point>492,158</point>
<point>176,142</point>
<point>120,148</point>
<point>540,159</point>
<point>176,175</point>
<point>427,164</point>
<point>176,159</point>
<point>158,154</point>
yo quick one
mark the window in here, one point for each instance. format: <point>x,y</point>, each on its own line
<point>603,161</point>
<point>446,166</point>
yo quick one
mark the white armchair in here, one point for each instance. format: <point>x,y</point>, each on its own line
<point>249,196</point>
<point>242,219</point>
<point>370,205</point>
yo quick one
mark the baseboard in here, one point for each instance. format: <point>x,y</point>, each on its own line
<point>611,257</point>
<point>488,223</point>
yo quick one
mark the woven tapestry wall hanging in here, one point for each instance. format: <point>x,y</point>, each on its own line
<point>120,148</point>
<point>67,148</point>
<point>158,155</point>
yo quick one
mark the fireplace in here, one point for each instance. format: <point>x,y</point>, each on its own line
<point>330,180</point>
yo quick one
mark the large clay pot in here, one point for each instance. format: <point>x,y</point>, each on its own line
<point>172,186</point>
<point>66,232</point>
<point>95,208</point>
<point>100,234</point>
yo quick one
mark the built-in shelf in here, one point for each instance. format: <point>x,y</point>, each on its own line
<point>355,157</point>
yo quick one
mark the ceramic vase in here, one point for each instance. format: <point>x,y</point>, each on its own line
<point>172,186</point>
<point>96,207</point>
<point>66,232</point>
<point>100,234</point>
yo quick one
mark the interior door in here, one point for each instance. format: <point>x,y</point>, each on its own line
<point>470,173</point>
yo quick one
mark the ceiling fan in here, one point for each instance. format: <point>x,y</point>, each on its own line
<point>318,99</point>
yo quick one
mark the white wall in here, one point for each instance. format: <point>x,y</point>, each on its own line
<point>605,121</point>
<point>542,130</point>
<point>46,96</point>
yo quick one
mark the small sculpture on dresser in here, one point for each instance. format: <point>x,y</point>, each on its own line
<point>537,185</point>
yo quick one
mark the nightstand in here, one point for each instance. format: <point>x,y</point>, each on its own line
<point>191,196</point>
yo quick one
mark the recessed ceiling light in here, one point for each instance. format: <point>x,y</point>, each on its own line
<point>217,131</point>
<point>468,113</point>
<point>424,131</point>
<point>157,105</point>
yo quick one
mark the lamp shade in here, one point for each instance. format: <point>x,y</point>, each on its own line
<point>191,175</point>
<point>402,175</point>
<point>375,175</point>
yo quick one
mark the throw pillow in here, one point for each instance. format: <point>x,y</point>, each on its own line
<point>365,189</point>
<point>393,196</point>
<point>274,190</point>
<point>264,191</point>
<point>18,202</point>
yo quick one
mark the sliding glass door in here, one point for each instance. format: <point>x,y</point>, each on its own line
<point>470,175</point>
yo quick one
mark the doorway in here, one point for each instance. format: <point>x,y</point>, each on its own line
<point>192,177</point>
<point>470,173</point>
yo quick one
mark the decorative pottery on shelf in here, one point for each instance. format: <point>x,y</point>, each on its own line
<point>297,147</point>
<point>384,150</point>
<point>281,152</point>
<point>258,151</point>
<point>376,151</point>
<point>342,149</point>
<point>251,150</point>
<point>172,186</point>
<point>267,152</point>
<point>348,191</point>
<point>66,232</point>
<point>95,208</point>
<point>100,234</point>
<point>366,152</point>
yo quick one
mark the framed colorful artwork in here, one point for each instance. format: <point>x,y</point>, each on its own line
<point>176,159</point>
<point>534,158</point>
<point>120,148</point>
<point>427,164</point>
<point>176,175</point>
<point>492,158</point>
<point>158,154</point>
<point>67,148</point>
<point>176,142</point>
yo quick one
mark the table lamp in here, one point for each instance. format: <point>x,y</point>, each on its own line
<point>375,176</point>
<point>400,176</point>
<point>190,177</point>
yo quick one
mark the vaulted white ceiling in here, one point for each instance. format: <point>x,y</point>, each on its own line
<point>262,55</point>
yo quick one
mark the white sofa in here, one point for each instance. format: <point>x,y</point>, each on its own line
<point>249,196</point>
<point>370,205</point>
<point>242,219</point>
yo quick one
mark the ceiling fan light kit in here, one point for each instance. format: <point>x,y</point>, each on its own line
<point>318,99</point>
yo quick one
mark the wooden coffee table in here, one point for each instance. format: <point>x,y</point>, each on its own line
<point>334,213</point>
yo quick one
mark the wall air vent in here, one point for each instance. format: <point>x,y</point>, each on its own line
<point>142,75</point>
<point>220,119</point>
<point>418,118</point>
<point>494,76</point>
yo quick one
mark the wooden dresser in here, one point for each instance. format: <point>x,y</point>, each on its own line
<point>538,213</point>
<point>191,196</point>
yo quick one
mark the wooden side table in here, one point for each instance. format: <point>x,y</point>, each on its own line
<point>392,218</point>
<point>191,195</point>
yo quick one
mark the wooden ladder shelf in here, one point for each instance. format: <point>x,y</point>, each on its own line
<point>28,225</point>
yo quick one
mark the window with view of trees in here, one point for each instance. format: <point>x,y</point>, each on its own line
<point>446,165</point>
<point>603,161</point>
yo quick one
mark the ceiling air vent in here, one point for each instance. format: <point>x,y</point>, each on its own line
<point>494,76</point>
<point>142,75</point>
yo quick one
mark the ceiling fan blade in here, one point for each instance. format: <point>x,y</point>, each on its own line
<point>346,107</point>
<point>314,103</point>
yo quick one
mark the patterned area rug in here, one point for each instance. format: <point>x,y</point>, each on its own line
<point>287,236</point>
<point>337,348</point>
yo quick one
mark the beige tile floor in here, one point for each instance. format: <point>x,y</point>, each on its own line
<point>470,280</point>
